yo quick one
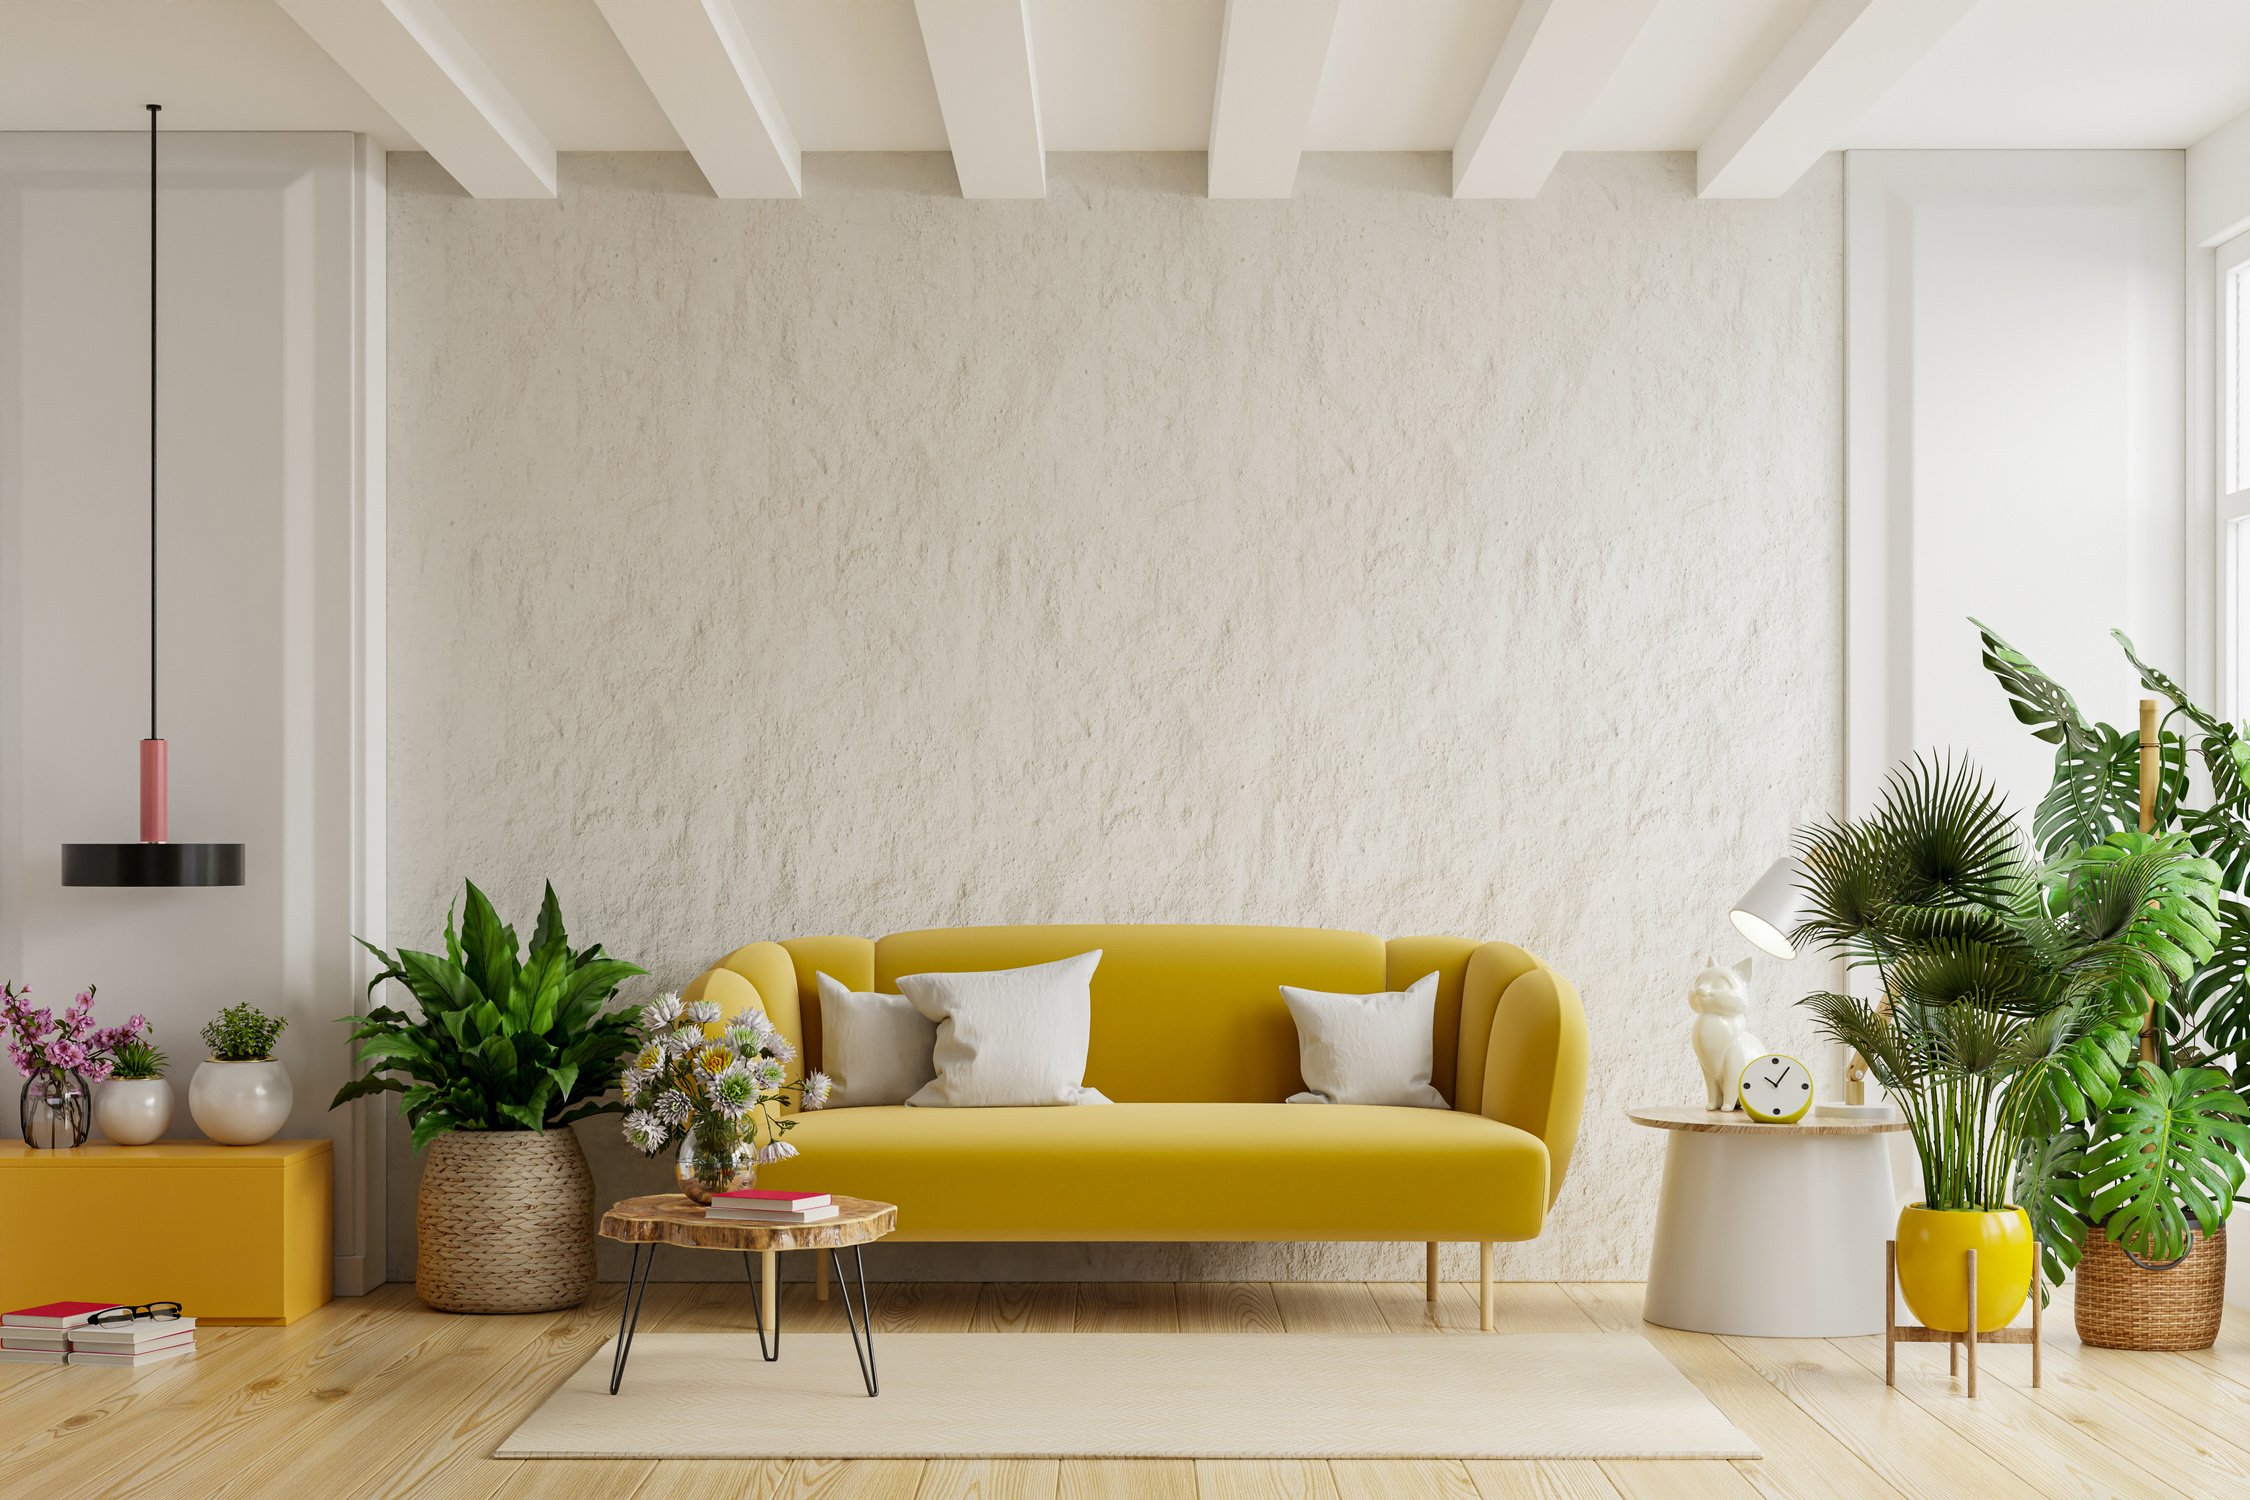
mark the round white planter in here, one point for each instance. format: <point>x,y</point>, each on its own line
<point>239,1103</point>
<point>133,1111</point>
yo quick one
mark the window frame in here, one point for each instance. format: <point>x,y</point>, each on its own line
<point>2231,472</point>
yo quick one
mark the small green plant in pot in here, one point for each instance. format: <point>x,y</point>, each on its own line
<point>134,1106</point>
<point>508,1048</point>
<point>2013,988</point>
<point>240,1094</point>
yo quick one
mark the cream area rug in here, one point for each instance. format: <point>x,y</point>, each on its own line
<point>1135,1395</point>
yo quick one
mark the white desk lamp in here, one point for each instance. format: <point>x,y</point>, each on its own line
<point>1768,913</point>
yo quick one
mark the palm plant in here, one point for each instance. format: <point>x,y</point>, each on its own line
<point>505,1040</point>
<point>2013,988</point>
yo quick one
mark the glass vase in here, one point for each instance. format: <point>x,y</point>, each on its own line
<point>55,1110</point>
<point>715,1161</point>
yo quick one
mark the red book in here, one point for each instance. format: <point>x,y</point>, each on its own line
<point>762,1198</point>
<point>54,1315</point>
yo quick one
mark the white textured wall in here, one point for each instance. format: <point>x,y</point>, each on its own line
<point>884,560</point>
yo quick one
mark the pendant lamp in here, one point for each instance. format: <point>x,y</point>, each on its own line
<point>154,861</point>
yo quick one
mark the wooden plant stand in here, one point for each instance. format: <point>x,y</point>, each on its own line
<point>1895,1333</point>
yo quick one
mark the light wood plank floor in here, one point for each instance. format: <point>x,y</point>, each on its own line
<point>378,1396</point>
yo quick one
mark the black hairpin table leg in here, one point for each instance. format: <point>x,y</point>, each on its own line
<point>866,1317</point>
<point>757,1303</point>
<point>629,1311</point>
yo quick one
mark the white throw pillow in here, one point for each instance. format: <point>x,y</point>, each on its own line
<point>1009,1036</point>
<point>874,1048</point>
<point>1366,1049</point>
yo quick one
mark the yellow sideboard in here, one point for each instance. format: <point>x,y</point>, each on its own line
<point>235,1234</point>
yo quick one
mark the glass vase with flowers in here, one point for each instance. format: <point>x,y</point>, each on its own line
<point>715,1088</point>
<point>61,1058</point>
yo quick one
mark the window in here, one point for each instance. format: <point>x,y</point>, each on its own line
<point>2234,475</point>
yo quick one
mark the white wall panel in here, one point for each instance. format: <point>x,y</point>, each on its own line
<point>2015,419</point>
<point>271,433</point>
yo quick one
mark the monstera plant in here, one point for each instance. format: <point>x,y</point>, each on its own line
<point>509,1046</point>
<point>2156,1152</point>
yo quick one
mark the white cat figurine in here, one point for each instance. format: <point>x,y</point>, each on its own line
<point>1723,1043</point>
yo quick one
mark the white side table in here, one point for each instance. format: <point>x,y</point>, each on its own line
<point>1770,1231</point>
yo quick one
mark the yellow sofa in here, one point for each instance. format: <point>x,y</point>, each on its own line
<point>1192,1041</point>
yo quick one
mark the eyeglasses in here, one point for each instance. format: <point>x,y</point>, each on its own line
<point>158,1312</point>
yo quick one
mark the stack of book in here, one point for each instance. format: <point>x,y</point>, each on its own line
<point>41,1335</point>
<point>757,1206</point>
<point>144,1341</point>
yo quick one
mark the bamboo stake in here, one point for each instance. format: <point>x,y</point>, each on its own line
<point>2151,749</point>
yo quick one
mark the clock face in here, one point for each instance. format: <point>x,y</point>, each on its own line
<point>1776,1088</point>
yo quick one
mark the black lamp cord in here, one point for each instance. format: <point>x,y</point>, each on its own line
<point>152,109</point>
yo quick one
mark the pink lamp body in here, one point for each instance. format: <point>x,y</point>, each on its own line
<point>155,798</point>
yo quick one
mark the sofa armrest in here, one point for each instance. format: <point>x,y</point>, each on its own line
<point>1535,1065</point>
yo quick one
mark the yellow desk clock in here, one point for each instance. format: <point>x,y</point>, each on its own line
<point>1775,1089</point>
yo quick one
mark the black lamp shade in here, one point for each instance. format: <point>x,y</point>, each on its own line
<point>152,864</point>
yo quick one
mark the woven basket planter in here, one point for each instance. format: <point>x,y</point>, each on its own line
<point>2123,1306</point>
<point>505,1222</point>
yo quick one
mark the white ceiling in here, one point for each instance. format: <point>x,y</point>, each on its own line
<point>1111,75</point>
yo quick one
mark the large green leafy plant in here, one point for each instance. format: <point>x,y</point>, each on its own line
<point>505,1040</point>
<point>2161,1147</point>
<point>2014,987</point>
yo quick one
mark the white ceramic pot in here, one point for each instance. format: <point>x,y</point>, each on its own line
<point>239,1103</point>
<point>133,1111</point>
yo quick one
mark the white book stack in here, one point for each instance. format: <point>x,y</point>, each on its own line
<point>33,1346</point>
<point>144,1341</point>
<point>753,1206</point>
<point>41,1335</point>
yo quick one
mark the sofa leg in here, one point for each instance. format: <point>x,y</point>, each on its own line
<point>1484,1285</point>
<point>820,1278</point>
<point>1429,1276</point>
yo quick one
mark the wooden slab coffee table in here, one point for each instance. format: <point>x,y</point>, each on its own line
<point>671,1219</point>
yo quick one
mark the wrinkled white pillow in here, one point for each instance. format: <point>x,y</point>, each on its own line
<point>1366,1049</point>
<point>875,1049</point>
<point>1009,1036</point>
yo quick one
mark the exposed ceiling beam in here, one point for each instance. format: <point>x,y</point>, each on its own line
<point>417,65</point>
<point>1556,59</point>
<point>980,60</point>
<point>697,59</point>
<point>1270,56</point>
<point>1835,65</point>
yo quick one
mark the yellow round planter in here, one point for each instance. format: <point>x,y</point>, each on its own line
<point>1933,1247</point>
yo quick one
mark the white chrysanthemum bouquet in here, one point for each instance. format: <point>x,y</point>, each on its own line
<point>714,1088</point>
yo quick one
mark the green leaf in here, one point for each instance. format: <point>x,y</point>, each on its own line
<point>525,1115</point>
<point>360,1088</point>
<point>2217,999</point>
<point>499,1053</point>
<point>2170,1146</point>
<point>586,989</point>
<point>2046,1186</point>
<point>2156,682</point>
<point>538,989</point>
<point>437,982</point>
<point>550,926</point>
<point>588,1111</point>
<point>2033,697</point>
<point>489,947</point>
<point>432,1125</point>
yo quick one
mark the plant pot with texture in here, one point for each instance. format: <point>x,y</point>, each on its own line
<point>509,1048</point>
